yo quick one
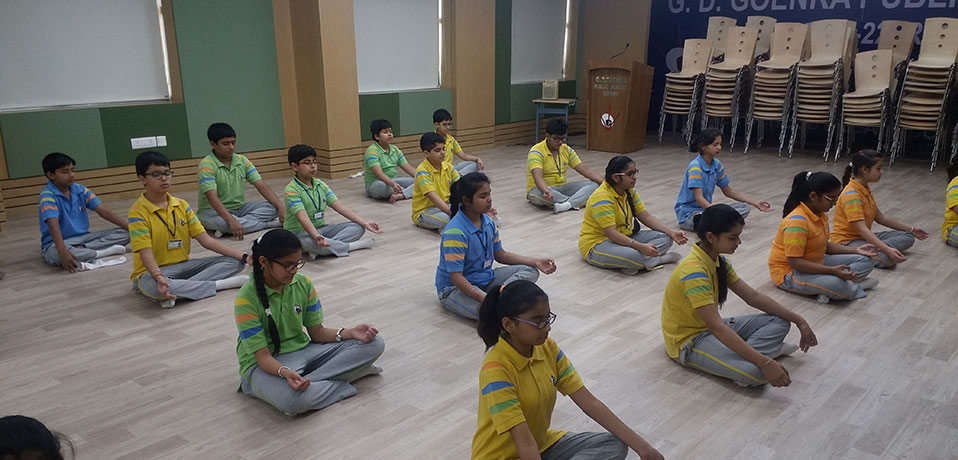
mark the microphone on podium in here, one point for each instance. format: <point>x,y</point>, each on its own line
<point>620,52</point>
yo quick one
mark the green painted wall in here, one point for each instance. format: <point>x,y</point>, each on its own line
<point>122,123</point>
<point>28,137</point>
<point>503,61</point>
<point>227,52</point>
<point>410,112</point>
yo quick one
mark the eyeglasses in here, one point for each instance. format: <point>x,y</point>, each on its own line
<point>539,324</point>
<point>446,124</point>
<point>557,138</point>
<point>629,173</point>
<point>830,198</point>
<point>291,266</point>
<point>159,174</point>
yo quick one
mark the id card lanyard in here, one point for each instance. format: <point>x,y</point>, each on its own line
<point>173,242</point>
<point>319,206</point>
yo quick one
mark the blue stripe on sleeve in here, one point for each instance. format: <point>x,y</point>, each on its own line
<point>250,332</point>
<point>497,385</point>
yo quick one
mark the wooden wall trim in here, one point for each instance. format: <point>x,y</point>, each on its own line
<point>4,173</point>
<point>286,64</point>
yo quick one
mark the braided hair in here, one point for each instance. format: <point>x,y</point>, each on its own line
<point>272,245</point>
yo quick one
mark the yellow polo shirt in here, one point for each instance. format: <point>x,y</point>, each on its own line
<point>800,234</point>
<point>452,148</point>
<point>553,169</point>
<point>606,208</point>
<point>155,228</point>
<point>429,179</point>
<point>515,389</point>
<point>951,200</point>
<point>693,284</point>
<point>855,203</point>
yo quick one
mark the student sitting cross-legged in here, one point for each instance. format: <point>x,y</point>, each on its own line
<point>434,177</point>
<point>306,199</point>
<point>522,373</point>
<point>470,243</point>
<point>547,184</point>
<point>222,178</point>
<point>442,120</point>
<point>65,236</point>
<point>379,166</point>
<point>610,236</point>
<point>287,357</point>
<point>161,229</point>
<point>741,348</point>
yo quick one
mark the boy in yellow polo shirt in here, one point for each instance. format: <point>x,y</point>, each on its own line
<point>161,228</point>
<point>546,181</point>
<point>442,120</point>
<point>434,177</point>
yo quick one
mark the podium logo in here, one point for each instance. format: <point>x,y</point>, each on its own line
<point>607,120</point>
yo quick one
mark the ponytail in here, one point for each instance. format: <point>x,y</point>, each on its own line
<point>862,159</point>
<point>807,182</point>
<point>718,219</point>
<point>271,246</point>
<point>501,302</point>
<point>467,185</point>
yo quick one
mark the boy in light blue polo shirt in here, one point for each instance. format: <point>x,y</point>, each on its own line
<point>65,236</point>
<point>702,175</point>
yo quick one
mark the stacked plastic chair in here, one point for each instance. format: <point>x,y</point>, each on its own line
<point>899,37</point>
<point>717,34</point>
<point>764,25</point>
<point>726,81</point>
<point>928,86</point>
<point>774,82</point>
<point>823,77</point>
<point>870,104</point>
<point>683,89</point>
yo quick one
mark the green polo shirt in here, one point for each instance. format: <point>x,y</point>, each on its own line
<point>229,182</point>
<point>296,307</point>
<point>313,200</point>
<point>376,156</point>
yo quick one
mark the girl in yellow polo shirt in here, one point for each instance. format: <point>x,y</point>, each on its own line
<point>740,348</point>
<point>856,210</point>
<point>803,260</point>
<point>610,236</point>
<point>949,228</point>
<point>521,374</point>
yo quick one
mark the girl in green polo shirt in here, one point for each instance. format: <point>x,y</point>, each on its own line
<point>292,368</point>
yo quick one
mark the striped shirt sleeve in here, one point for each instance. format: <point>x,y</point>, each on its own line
<point>567,378</point>
<point>730,274</point>
<point>573,158</point>
<point>313,316</point>
<point>698,286</point>
<point>48,206</point>
<point>456,149</point>
<point>252,335</point>
<point>206,176</point>
<point>326,192</point>
<point>534,160</point>
<point>795,235</point>
<point>292,200</point>
<point>497,392</point>
<point>252,175</point>
<point>694,175</point>
<point>851,203</point>
<point>90,199</point>
<point>139,226</point>
<point>951,196</point>
<point>401,161</point>
<point>496,242</point>
<point>452,249</point>
<point>455,176</point>
<point>603,211</point>
<point>371,157</point>
<point>424,182</point>
<point>637,203</point>
<point>193,223</point>
<point>722,177</point>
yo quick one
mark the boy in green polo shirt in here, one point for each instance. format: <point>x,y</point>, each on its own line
<point>306,198</point>
<point>222,178</point>
<point>379,166</point>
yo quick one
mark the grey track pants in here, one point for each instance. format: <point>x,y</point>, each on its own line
<point>433,219</point>
<point>380,191</point>
<point>337,235</point>
<point>587,446</point>
<point>610,255</point>
<point>193,279</point>
<point>84,247</point>
<point>895,238</point>
<point>458,302</point>
<point>252,216</point>
<point>742,208</point>
<point>577,193</point>
<point>763,332</point>
<point>830,285</point>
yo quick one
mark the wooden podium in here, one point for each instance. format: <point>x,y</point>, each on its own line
<point>618,109</point>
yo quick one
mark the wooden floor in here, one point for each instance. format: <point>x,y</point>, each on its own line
<point>125,379</point>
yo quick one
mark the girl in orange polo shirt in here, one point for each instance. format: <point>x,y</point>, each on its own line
<point>803,260</point>
<point>856,210</point>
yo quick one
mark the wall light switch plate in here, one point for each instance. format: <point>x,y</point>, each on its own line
<point>161,141</point>
<point>143,142</point>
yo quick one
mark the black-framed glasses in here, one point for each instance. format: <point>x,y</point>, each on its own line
<point>290,267</point>
<point>629,173</point>
<point>539,324</point>
<point>446,124</point>
<point>159,174</point>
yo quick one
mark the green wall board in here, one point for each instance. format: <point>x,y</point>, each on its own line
<point>122,123</point>
<point>375,106</point>
<point>416,108</point>
<point>29,136</point>
<point>521,106</point>
<point>503,61</point>
<point>227,51</point>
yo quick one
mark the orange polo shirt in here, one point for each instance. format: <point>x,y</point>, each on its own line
<point>801,234</point>
<point>855,203</point>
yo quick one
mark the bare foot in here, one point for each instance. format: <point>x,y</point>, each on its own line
<point>396,197</point>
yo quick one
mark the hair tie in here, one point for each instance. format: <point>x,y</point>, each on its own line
<point>850,165</point>
<point>808,174</point>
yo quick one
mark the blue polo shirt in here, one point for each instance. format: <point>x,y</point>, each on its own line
<point>703,176</point>
<point>70,211</point>
<point>468,250</point>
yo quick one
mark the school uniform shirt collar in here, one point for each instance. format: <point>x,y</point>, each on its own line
<point>864,189</point>
<point>56,190</point>
<point>432,170</point>
<point>270,291</point>
<point>514,357</point>
<point>312,183</point>
<point>812,216</point>
<point>702,164</point>
<point>467,224</point>
<point>171,202</point>
<point>611,190</point>
<point>234,161</point>
<point>700,254</point>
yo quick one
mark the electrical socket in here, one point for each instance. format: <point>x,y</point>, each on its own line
<point>143,142</point>
<point>161,141</point>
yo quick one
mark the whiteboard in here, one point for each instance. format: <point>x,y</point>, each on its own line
<point>397,44</point>
<point>69,52</point>
<point>538,40</point>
